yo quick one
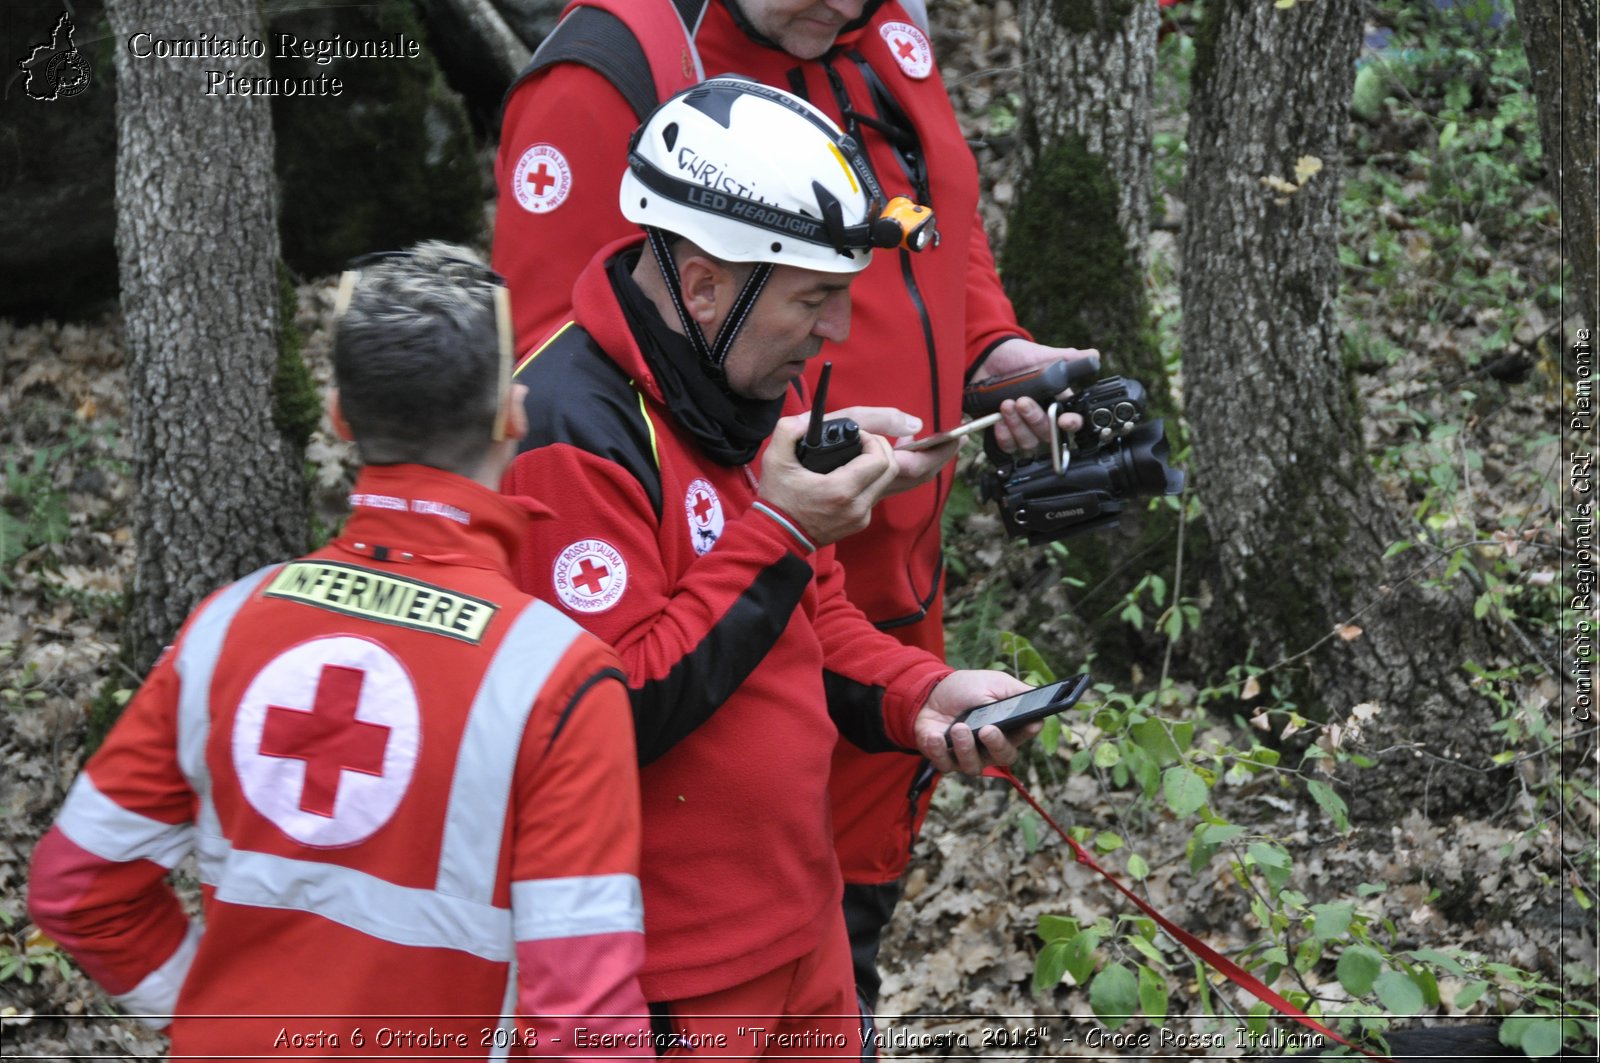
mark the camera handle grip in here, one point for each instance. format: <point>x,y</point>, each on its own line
<point>1040,384</point>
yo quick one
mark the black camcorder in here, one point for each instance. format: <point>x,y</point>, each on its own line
<point>1085,481</point>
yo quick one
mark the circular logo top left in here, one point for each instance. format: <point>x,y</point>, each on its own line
<point>326,738</point>
<point>56,70</point>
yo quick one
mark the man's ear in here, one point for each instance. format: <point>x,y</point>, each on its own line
<point>341,427</point>
<point>704,284</point>
<point>516,414</point>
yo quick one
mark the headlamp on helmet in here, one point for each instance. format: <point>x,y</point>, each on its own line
<point>753,174</point>
<point>904,223</point>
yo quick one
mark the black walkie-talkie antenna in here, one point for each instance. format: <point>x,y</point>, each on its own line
<point>828,444</point>
<point>818,404</point>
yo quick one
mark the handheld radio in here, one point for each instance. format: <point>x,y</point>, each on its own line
<point>828,444</point>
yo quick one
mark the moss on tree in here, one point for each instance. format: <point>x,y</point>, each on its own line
<point>1066,263</point>
<point>296,407</point>
<point>1205,43</point>
<point>388,162</point>
<point>1074,282</point>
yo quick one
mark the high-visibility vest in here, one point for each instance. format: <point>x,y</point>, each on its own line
<point>458,913</point>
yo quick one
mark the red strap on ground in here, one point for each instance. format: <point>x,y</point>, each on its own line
<point>1230,970</point>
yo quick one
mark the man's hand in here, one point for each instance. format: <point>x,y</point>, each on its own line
<point>1024,426</point>
<point>955,694</point>
<point>914,467</point>
<point>829,506</point>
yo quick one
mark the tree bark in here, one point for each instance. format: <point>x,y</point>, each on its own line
<point>1075,240</point>
<point>1559,37</point>
<point>220,489</point>
<point>1298,524</point>
<point>1075,255</point>
<point>499,48</point>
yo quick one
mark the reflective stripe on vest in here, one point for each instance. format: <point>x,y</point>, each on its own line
<point>480,797</point>
<point>99,825</point>
<point>458,913</point>
<point>197,660</point>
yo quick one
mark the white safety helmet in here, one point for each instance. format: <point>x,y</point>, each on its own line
<point>753,174</point>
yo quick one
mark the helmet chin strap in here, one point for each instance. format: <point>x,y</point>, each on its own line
<point>712,353</point>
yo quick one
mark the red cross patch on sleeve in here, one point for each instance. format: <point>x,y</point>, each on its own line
<point>542,180</point>
<point>704,510</point>
<point>910,48</point>
<point>589,576</point>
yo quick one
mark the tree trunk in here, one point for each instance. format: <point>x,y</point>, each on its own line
<point>1299,527</point>
<point>1560,39</point>
<point>1074,257</point>
<point>1075,239</point>
<point>220,488</point>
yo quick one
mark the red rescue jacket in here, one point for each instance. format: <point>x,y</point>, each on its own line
<point>402,778</point>
<point>922,322</point>
<point>742,653</point>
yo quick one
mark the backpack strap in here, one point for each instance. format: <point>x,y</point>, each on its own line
<point>600,41</point>
<point>598,38</point>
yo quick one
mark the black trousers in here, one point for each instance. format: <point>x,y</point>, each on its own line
<point>867,910</point>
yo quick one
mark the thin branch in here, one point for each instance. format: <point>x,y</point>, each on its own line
<point>1177,594</point>
<point>1421,750</point>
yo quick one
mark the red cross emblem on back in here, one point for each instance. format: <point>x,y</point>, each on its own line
<point>325,739</point>
<point>328,738</point>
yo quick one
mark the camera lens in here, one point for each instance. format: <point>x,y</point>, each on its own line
<point>1142,463</point>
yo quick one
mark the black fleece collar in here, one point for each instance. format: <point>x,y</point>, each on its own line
<point>729,428</point>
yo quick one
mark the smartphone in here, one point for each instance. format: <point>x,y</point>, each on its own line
<point>955,433</point>
<point>1012,713</point>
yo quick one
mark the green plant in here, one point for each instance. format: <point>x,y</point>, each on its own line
<point>34,507</point>
<point>107,706</point>
<point>1003,114</point>
<point>24,957</point>
<point>1162,752</point>
<point>34,511</point>
<point>1422,224</point>
<point>22,687</point>
<point>1448,261</point>
<point>1171,620</point>
<point>1174,57</point>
